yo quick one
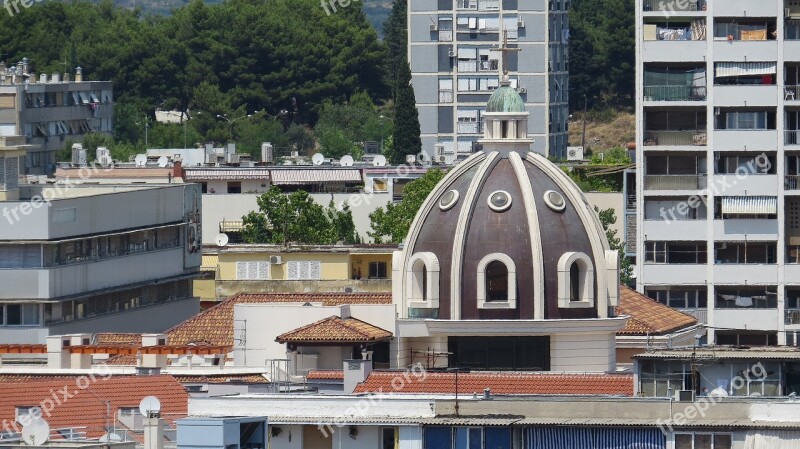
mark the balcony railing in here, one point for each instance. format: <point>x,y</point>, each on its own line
<point>692,137</point>
<point>674,93</point>
<point>469,127</point>
<point>700,314</point>
<point>792,317</point>
<point>791,137</point>
<point>477,66</point>
<point>445,35</point>
<point>791,93</point>
<point>792,182</point>
<point>675,182</point>
<point>661,5</point>
<point>445,95</point>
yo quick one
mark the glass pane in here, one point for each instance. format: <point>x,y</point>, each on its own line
<point>722,442</point>
<point>496,281</point>
<point>497,438</point>
<point>683,441</point>
<point>662,385</point>
<point>438,438</point>
<point>475,438</point>
<point>13,315</point>
<point>702,441</point>
<point>462,434</point>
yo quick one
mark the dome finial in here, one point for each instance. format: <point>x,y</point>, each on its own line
<point>503,49</point>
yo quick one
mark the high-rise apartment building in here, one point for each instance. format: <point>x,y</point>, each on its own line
<point>453,51</point>
<point>718,154</point>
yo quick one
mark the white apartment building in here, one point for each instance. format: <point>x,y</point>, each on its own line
<point>718,114</point>
<point>453,53</point>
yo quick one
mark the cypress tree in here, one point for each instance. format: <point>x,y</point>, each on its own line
<point>406,119</point>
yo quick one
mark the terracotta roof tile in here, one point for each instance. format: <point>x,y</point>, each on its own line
<point>79,408</point>
<point>325,374</point>
<point>500,383</point>
<point>214,326</point>
<point>335,329</point>
<point>222,379</point>
<point>649,316</point>
<point>110,338</point>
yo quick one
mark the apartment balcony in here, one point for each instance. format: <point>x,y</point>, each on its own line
<point>746,273</point>
<point>687,138</point>
<point>445,35</point>
<point>469,127</point>
<point>746,95</point>
<point>673,51</point>
<point>791,50</point>
<point>670,229</point>
<point>747,318</point>
<point>675,182</point>
<point>674,93</point>
<point>700,314</point>
<point>745,50</point>
<point>674,274</point>
<point>445,95</point>
<point>791,317</point>
<point>690,8</point>
<point>743,140</point>
<point>746,228</point>
<point>752,184</point>
<point>791,137</point>
<point>747,8</point>
<point>791,95</point>
<point>791,182</point>
<point>477,66</point>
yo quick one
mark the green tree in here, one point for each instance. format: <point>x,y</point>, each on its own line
<point>395,32</point>
<point>406,137</point>
<point>297,218</point>
<point>607,219</point>
<point>391,224</point>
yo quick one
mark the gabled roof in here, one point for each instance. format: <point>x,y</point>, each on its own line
<point>79,408</point>
<point>649,317</point>
<point>214,326</point>
<point>336,330</point>
<point>499,382</point>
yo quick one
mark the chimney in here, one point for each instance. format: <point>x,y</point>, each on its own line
<point>43,78</point>
<point>154,360</point>
<point>355,372</point>
<point>20,68</point>
<point>66,77</point>
<point>24,66</point>
<point>55,78</point>
<point>80,361</point>
<point>177,169</point>
<point>78,75</point>
<point>58,351</point>
<point>153,431</point>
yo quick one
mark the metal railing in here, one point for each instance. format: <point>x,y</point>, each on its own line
<point>791,93</point>
<point>674,93</point>
<point>791,137</point>
<point>700,314</point>
<point>445,35</point>
<point>477,66</point>
<point>792,182</point>
<point>630,201</point>
<point>445,95</point>
<point>792,317</point>
<point>675,182</point>
<point>691,137</point>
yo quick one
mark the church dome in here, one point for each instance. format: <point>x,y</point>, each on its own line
<point>506,235</point>
<point>505,99</point>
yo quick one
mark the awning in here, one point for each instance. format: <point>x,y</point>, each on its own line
<point>729,69</point>
<point>313,176</point>
<point>225,174</point>
<point>750,205</point>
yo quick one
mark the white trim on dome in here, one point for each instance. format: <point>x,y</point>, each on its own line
<point>585,281</point>
<point>423,293</point>
<point>529,201</point>
<point>612,276</point>
<point>588,218</point>
<point>511,303</point>
<point>460,236</point>
<point>413,234</point>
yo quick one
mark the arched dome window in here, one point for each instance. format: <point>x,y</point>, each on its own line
<point>575,281</point>
<point>497,282</point>
<point>422,281</point>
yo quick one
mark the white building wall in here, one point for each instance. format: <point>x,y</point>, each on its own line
<point>582,352</point>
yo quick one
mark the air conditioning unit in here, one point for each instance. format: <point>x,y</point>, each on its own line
<point>575,153</point>
<point>522,90</point>
<point>434,28</point>
<point>275,260</point>
<point>451,53</point>
<point>520,23</point>
<point>684,396</point>
<point>233,158</point>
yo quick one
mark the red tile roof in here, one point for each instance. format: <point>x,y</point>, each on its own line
<point>110,338</point>
<point>214,326</point>
<point>222,379</point>
<point>325,374</point>
<point>649,316</point>
<point>75,407</point>
<point>500,383</point>
<point>336,330</point>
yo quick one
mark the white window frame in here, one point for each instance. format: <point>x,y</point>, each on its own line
<point>511,303</point>
<point>586,281</point>
<point>416,299</point>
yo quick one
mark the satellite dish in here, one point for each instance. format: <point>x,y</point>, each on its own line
<point>150,406</point>
<point>346,161</point>
<point>317,159</point>
<point>379,161</point>
<point>163,161</point>
<point>36,433</point>
<point>140,160</point>
<point>110,438</point>
<point>221,239</point>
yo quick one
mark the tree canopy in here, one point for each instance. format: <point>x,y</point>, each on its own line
<point>297,218</point>
<point>608,218</point>
<point>391,224</point>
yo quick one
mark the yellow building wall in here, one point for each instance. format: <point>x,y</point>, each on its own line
<point>205,289</point>
<point>332,266</point>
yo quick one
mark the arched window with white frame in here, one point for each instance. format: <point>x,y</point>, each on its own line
<point>422,281</point>
<point>575,281</point>
<point>497,282</point>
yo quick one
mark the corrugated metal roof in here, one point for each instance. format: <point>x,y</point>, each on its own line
<point>310,176</point>
<point>724,353</point>
<point>340,420</point>
<point>232,174</point>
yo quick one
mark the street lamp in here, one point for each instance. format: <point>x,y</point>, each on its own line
<point>231,122</point>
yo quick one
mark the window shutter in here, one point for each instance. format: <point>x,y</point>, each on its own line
<point>241,271</point>
<point>263,270</point>
<point>314,270</point>
<point>292,270</point>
